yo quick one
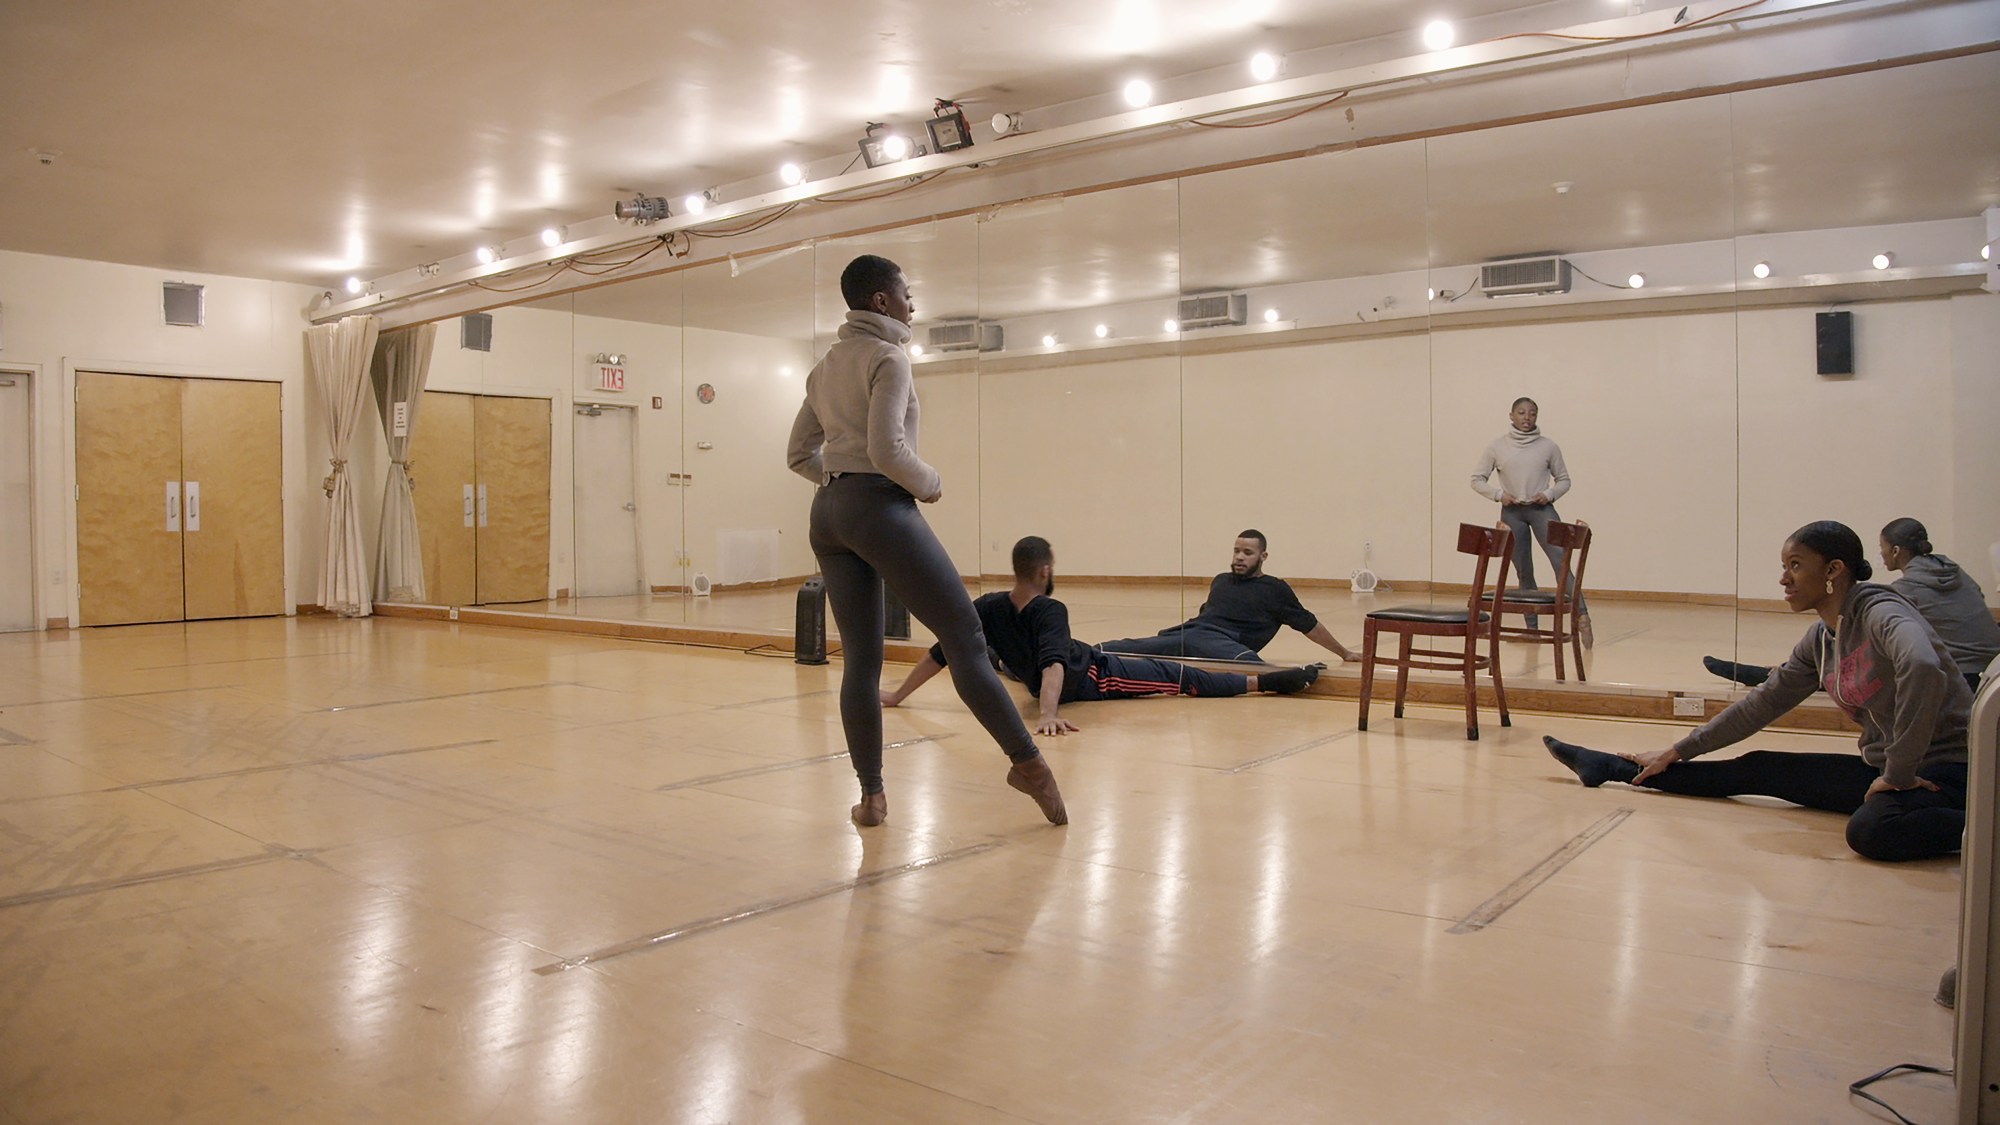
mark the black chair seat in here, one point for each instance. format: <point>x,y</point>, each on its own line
<point>1425,614</point>
<point>1538,597</point>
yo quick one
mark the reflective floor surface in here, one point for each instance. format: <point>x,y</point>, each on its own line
<point>392,870</point>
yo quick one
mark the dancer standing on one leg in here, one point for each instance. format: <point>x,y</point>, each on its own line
<point>1532,477</point>
<point>1874,654</point>
<point>856,437</point>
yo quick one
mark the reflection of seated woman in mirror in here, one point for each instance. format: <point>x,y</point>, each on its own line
<point>1875,656</point>
<point>1532,477</point>
<point>1947,597</point>
<point>856,438</point>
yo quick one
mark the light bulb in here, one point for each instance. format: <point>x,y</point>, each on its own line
<point>1005,123</point>
<point>552,236</point>
<point>1173,326</point>
<point>1048,341</point>
<point>1270,316</point>
<point>1138,92</point>
<point>1636,281</point>
<point>1430,294</point>
<point>695,204</point>
<point>1263,66</point>
<point>1884,260</point>
<point>487,255</point>
<point>1761,270</point>
<point>1102,331</point>
<point>1439,34</point>
<point>354,285</point>
<point>917,350</point>
<point>1986,252</point>
<point>792,174</point>
<point>895,146</point>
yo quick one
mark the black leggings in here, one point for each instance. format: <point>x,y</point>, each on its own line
<point>866,531</point>
<point>1908,824</point>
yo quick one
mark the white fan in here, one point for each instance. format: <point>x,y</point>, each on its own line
<point>1364,581</point>
<point>701,586</point>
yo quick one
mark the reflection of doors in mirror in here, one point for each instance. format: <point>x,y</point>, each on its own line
<point>480,465</point>
<point>607,520</point>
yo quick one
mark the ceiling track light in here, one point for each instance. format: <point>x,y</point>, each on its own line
<point>553,237</point>
<point>1138,93</point>
<point>1173,326</point>
<point>1986,252</point>
<point>879,145</point>
<point>1102,331</point>
<point>1263,66</point>
<point>641,209</point>
<point>1006,124</point>
<point>1636,281</point>
<point>1884,260</point>
<point>487,255</point>
<point>1439,34</point>
<point>1761,270</point>
<point>947,127</point>
<point>1049,341</point>
<point>354,286</point>
<point>698,202</point>
<point>791,175</point>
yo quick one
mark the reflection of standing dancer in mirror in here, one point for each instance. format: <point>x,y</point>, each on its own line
<point>1532,478</point>
<point>856,437</point>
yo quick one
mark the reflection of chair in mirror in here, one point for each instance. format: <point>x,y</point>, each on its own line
<point>1558,604</point>
<point>1487,545</point>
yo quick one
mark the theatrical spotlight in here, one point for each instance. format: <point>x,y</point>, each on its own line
<point>641,209</point>
<point>947,127</point>
<point>879,146</point>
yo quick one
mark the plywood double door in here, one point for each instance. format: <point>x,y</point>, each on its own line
<point>180,507</point>
<point>479,470</point>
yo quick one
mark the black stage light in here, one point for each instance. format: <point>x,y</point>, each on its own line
<point>879,146</point>
<point>947,127</point>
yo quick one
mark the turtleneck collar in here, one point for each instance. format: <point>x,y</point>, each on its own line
<point>861,322</point>
<point>1528,438</point>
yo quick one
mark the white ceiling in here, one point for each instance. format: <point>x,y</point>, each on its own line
<point>305,142</point>
<point>1903,145</point>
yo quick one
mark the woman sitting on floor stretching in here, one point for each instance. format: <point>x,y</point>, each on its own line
<point>1874,655</point>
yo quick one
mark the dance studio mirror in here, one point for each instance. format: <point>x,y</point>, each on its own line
<point>1359,361</point>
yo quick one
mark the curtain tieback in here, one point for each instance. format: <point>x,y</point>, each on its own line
<point>339,467</point>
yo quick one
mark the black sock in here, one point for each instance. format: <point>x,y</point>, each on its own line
<point>1592,767</point>
<point>1749,675</point>
<point>1285,681</point>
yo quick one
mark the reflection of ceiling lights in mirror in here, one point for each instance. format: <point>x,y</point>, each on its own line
<point>1102,331</point>
<point>1761,270</point>
<point>1636,281</point>
<point>792,175</point>
<point>917,350</point>
<point>354,285</point>
<point>1884,260</point>
<point>1263,66</point>
<point>1138,93</point>
<point>1986,252</point>
<point>1438,34</point>
<point>1173,326</point>
<point>487,255</point>
<point>1049,341</point>
<point>695,204</point>
<point>1270,316</point>
<point>1430,294</point>
<point>553,236</point>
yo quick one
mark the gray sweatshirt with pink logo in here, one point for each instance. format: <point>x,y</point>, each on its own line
<point>1885,668</point>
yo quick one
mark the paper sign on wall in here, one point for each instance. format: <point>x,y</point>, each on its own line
<point>399,423</point>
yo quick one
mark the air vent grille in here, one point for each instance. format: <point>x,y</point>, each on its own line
<point>963,336</point>
<point>475,332</point>
<point>181,303</point>
<point>1207,310</point>
<point>1515,277</point>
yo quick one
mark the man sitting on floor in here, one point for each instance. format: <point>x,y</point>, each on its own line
<point>1242,614</point>
<point>1029,631</point>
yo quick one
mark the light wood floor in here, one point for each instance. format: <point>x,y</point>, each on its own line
<point>1639,644</point>
<point>316,870</point>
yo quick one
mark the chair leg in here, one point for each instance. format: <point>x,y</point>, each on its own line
<point>1402,671</point>
<point>1471,681</point>
<point>1367,671</point>
<point>1576,646</point>
<point>1556,638</point>
<point>1499,688</point>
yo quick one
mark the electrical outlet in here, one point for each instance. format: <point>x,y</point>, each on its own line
<point>454,613</point>
<point>1689,706</point>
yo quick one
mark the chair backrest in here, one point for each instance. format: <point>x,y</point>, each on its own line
<point>1487,544</point>
<point>1573,539</point>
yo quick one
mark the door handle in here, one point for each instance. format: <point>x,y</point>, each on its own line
<point>630,506</point>
<point>193,513</point>
<point>173,505</point>
<point>482,505</point>
<point>468,505</point>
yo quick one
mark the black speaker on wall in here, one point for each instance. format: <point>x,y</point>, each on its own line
<point>1834,333</point>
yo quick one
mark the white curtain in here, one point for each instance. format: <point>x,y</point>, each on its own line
<point>340,353</point>
<point>402,367</point>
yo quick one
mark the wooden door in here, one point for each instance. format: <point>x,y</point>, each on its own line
<point>512,457</point>
<point>128,498</point>
<point>442,485</point>
<point>233,502</point>
<point>607,509</point>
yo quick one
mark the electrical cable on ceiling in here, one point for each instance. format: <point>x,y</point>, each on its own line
<point>1587,277</point>
<point>1273,121</point>
<point>1724,14</point>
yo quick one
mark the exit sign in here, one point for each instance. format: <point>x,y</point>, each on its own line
<point>610,377</point>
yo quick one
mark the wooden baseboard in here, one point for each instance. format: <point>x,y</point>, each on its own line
<point>732,587</point>
<point>57,625</point>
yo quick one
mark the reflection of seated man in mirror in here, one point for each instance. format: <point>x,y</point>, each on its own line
<point>1029,631</point>
<point>1244,609</point>
<point>1532,478</point>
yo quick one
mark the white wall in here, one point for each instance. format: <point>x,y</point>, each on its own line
<point>64,314</point>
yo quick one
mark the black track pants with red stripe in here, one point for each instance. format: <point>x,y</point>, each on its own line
<point>1128,677</point>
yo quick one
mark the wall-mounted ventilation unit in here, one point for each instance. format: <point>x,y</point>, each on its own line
<point>963,336</point>
<point>475,332</point>
<point>180,301</point>
<point>1211,309</point>
<point>1520,277</point>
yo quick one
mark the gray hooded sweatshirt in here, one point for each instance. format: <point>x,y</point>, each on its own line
<point>860,413</point>
<point>1885,668</point>
<point>1950,600</point>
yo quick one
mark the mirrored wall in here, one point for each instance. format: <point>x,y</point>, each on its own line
<point>1326,349</point>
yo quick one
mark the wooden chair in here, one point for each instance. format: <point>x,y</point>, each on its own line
<point>1487,545</point>
<point>1558,605</point>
